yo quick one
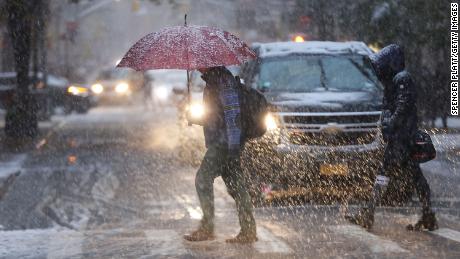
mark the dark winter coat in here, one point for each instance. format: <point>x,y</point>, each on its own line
<point>222,122</point>
<point>399,117</point>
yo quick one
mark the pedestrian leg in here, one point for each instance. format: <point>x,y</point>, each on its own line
<point>237,188</point>
<point>365,217</point>
<point>210,168</point>
<point>380,186</point>
<point>422,188</point>
<point>428,219</point>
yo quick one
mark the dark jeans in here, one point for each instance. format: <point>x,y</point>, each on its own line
<point>217,163</point>
<point>397,161</point>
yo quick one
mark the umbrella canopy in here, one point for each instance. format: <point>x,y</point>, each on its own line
<point>186,47</point>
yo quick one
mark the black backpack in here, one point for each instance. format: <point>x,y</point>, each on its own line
<point>254,108</point>
<point>422,149</point>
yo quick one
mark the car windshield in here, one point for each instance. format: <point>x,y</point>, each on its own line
<point>302,73</point>
<point>113,74</point>
<point>167,77</point>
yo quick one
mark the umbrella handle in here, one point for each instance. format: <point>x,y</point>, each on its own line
<point>189,99</point>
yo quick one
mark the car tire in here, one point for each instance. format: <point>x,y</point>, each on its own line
<point>82,109</point>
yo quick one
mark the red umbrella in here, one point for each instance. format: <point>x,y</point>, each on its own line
<point>186,47</point>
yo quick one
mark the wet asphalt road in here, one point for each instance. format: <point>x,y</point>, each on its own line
<point>116,183</point>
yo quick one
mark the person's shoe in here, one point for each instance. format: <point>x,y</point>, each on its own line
<point>426,222</point>
<point>199,235</point>
<point>363,218</point>
<point>243,238</point>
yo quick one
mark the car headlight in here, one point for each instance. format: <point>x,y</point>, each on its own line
<point>161,93</point>
<point>77,90</point>
<point>196,110</point>
<point>122,88</point>
<point>97,88</point>
<point>270,122</point>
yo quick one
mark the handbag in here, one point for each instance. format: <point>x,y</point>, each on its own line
<point>422,149</point>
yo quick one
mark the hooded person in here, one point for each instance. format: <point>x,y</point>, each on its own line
<point>224,141</point>
<point>399,126</point>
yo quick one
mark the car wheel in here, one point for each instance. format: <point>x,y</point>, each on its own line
<point>82,110</point>
<point>68,109</point>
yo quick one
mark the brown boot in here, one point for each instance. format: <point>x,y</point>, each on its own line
<point>243,238</point>
<point>364,218</point>
<point>199,235</point>
<point>426,222</point>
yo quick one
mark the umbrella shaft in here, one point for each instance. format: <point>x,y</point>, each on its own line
<point>189,97</point>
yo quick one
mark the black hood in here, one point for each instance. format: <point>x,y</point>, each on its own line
<point>388,62</point>
<point>213,75</point>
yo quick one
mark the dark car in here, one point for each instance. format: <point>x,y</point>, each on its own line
<point>71,97</point>
<point>117,85</point>
<point>57,92</point>
<point>75,98</point>
<point>323,135</point>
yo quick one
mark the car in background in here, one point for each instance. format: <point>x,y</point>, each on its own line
<point>161,85</point>
<point>117,85</point>
<point>323,129</point>
<point>78,98</point>
<point>70,97</point>
<point>57,92</point>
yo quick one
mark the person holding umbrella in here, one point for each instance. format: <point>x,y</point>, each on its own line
<point>224,141</point>
<point>209,50</point>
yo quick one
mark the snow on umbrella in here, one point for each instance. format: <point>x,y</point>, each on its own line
<point>186,47</point>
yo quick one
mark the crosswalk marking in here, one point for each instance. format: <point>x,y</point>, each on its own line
<point>447,233</point>
<point>375,243</point>
<point>268,243</point>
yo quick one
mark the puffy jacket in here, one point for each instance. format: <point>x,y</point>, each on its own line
<point>399,117</point>
<point>222,122</point>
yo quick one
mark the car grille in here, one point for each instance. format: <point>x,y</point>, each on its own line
<point>331,119</point>
<point>332,139</point>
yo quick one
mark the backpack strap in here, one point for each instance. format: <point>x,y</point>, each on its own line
<point>238,80</point>
<point>241,85</point>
